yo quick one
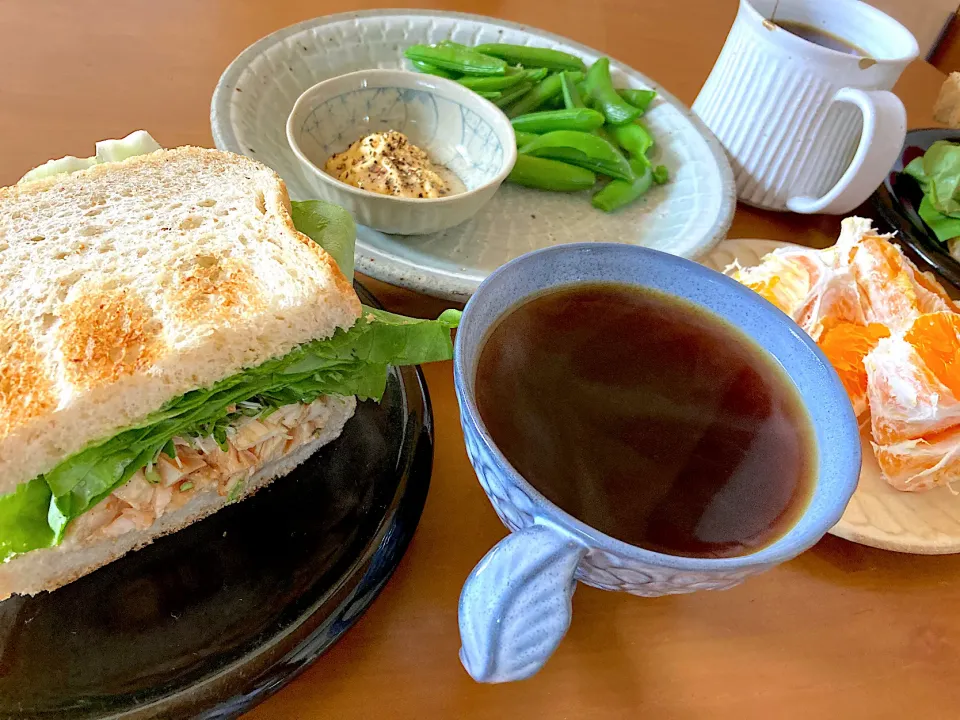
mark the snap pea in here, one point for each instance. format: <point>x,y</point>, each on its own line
<point>571,96</point>
<point>452,44</point>
<point>584,149</point>
<point>605,134</point>
<point>547,89</point>
<point>431,70</point>
<point>554,103</point>
<point>524,137</point>
<point>493,82</point>
<point>545,174</point>
<point>618,193</point>
<point>600,87</point>
<point>637,140</point>
<point>573,156</point>
<point>537,74</point>
<point>640,99</point>
<point>489,94</point>
<point>532,56</point>
<point>464,61</point>
<point>514,93</point>
<point>584,95</point>
<point>549,120</point>
<point>633,137</point>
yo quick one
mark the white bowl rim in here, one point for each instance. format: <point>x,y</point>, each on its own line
<point>510,152</point>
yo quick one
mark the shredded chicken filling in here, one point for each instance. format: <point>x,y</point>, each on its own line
<point>200,466</point>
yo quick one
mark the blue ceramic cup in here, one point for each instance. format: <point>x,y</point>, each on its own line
<point>516,605</point>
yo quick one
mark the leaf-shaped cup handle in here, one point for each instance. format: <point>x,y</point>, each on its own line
<point>516,605</point>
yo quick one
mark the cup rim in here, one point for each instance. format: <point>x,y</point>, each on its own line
<point>773,554</point>
<point>876,14</point>
<point>461,92</point>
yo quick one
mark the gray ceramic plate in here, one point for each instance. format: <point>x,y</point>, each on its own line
<point>251,103</point>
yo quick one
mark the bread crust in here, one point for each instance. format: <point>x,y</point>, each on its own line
<point>129,284</point>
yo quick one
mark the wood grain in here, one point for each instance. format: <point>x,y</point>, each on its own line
<point>843,631</point>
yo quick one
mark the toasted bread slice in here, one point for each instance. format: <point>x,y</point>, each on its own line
<point>129,284</point>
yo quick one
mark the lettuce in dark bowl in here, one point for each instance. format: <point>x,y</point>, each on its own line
<point>912,201</point>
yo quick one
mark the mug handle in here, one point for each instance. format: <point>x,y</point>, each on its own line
<point>516,605</point>
<point>884,130</point>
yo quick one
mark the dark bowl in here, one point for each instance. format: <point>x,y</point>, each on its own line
<point>898,199</point>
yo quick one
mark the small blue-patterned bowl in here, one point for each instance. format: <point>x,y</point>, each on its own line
<point>516,605</point>
<point>456,127</point>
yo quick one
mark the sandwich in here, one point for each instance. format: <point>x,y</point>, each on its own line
<point>173,336</point>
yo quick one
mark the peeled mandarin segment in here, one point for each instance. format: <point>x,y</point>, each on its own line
<point>887,291</point>
<point>766,289</point>
<point>782,279</point>
<point>852,230</point>
<point>846,345</point>
<point>807,286</point>
<point>913,391</point>
<point>834,299</point>
<point>906,400</point>
<point>914,465</point>
<point>892,290</point>
<point>936,339</point>
<point>934,297</point>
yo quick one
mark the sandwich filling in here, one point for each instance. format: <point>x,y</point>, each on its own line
<point>264,403</point>
<point>201,464</point>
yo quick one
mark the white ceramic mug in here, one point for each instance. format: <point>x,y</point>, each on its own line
<point>807,128</point>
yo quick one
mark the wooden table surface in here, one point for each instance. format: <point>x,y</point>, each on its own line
<point>842,632</point>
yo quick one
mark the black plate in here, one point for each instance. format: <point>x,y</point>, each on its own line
<point>898,199</point>
<point>211,620</point>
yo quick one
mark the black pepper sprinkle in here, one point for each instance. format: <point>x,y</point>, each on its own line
<point>393,165</point>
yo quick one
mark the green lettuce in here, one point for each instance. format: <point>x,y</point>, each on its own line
<point>938,174</point>
<point>351,362</point>
<point>138,142</point>
<point>23,519</point>
<point>945,227</point>
<point>331,227</point>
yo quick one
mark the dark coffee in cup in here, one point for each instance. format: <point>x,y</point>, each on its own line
<point>648,418</point>
<point>820,37</point>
